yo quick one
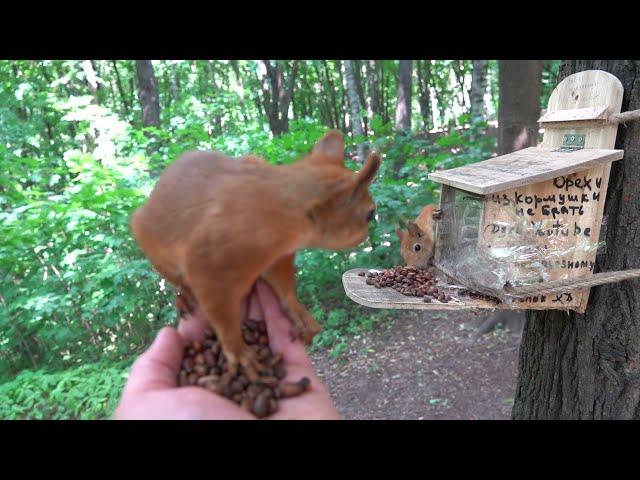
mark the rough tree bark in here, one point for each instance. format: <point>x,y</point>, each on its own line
<point>478,88</point>
<point>403,102</point>
<point>588,366</point>
<point>519,109</point>
<point>148,93</point>
<point>354,104</point>
<point>276,94</point>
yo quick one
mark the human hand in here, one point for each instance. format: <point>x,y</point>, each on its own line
<point>152,391</point>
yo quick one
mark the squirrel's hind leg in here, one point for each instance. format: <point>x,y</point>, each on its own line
<point>281,277</point>
<point>220,287</point>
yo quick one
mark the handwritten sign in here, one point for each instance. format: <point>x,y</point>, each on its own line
<point>545,231</point>
<point>566,205</point>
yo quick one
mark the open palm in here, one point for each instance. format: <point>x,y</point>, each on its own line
<point>152,391</point>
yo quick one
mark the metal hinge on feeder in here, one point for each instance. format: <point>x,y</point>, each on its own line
<point>571,143</point>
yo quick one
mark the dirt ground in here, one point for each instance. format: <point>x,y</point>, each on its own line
<point>425,366</point>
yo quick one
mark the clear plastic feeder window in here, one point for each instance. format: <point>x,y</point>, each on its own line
<point>485,246</point>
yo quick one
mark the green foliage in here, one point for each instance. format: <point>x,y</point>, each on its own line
<point>75,286</point>
<point>550,71</point>
<point>90,392</point>
<point>78,300</point>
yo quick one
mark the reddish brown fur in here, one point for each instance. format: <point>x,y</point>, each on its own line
<point>213,225</point>
<point>419,232</point>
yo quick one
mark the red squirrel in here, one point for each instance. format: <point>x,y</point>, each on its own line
<point>214,224</point>
<point>417,243</point>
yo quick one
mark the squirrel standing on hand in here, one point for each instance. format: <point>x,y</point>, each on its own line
<point>417,243</point>
<point>213,225</point>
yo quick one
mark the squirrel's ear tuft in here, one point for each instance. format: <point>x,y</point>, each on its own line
<point>414,230</point>
<point>401,233</point>
<point>370,168</point>
<point>331,146</point>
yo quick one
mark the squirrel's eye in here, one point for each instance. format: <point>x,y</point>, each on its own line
<point>370,215</point>
<point>417,247</point>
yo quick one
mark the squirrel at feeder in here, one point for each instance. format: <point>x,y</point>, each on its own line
<point>213,225</point>
<point>417,242</point>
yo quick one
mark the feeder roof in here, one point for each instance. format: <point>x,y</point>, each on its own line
<point>524,167</point>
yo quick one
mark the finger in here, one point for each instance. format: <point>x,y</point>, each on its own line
<point>191,327</point>
<point>255,309</point>
<point>278,327</point>
<point>158,367</point>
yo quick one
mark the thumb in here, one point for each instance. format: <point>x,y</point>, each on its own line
<point>159,366</point>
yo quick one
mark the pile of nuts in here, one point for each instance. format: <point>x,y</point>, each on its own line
<point>409,281</point>
<point>204,364</point>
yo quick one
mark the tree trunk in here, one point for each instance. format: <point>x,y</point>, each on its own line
<point>441,97</point>
<point>276,94</point>
<point>324,97</point>
<point>459,71</point>
<point>123,95</point>
<point>423,69</point>
<point>385,81</point>
<point>354,103</point>
<point>343,96</point>
<point>175,82</point>
<point>114,99</point>
<point>374,86</point>
<point>519,108</point>
<point>478,89</point>
<point>403,103</point>
<point>285,94</point>
<point>217,119</point>
<point>240,82</point>
<point>148,93</point>
<point>357,75</point>
<point>587,366</point>
<point>332,93</point>
<point>308,97</point>
<point>92,79</point>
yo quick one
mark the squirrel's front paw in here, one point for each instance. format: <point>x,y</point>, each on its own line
<point>305,328</point>
<point>248,360</point>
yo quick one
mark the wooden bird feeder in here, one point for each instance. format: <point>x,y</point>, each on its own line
<point>527,218</point>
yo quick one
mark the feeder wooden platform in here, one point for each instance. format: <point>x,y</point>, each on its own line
<point>357,290</point>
